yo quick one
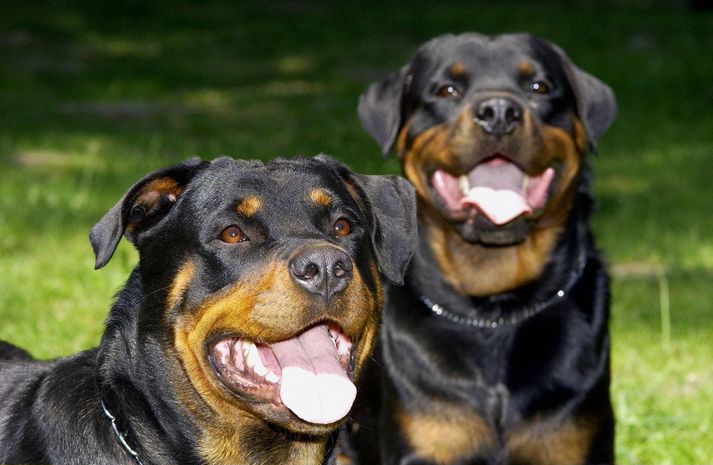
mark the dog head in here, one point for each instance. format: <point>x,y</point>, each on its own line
<point>261,285</point>
<point>490,130</point>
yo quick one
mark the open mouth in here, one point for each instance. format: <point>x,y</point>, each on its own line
<point>310,373</point>
<point>496,188</point>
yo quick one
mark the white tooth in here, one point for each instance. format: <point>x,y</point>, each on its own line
<point>235,354</point>
<point>246,354</point>
<point>464,184</point>
<point>253,356</point>
<point>272,377</point>
<point>253,361</point>
<point>223,354</point>
<point>260,370</point>
<point>250,353</point>
<point>333,336</point>
<point>525,183</point>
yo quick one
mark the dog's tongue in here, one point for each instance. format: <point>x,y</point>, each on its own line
<point>314,385</point>
<point>499,205</point>
<point>497,191</point>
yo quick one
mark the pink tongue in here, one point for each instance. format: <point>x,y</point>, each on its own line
<point>499,205</point>
<point>314,385</point>
<point>497,191</point>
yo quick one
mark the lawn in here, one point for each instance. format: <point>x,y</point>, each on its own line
<point>94,95</point>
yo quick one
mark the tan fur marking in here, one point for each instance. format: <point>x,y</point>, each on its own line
<point>163,185</point>
<point>191,332</point>
<point>357,296</point>
<point>306,452</point>
<point>501,268</point>
<point>445,434</point>
<point>180,284</point>
<point>321,197</point>
<point>370,333</point>
<point>249,206</point>
<point>343,459</point>
<point>430,146</point>
<point>152,192</point>
<point>525,69</point>
<point>354,192</point>
<point>150,196</point>
<point>457,70</point>
<point>543,443</point>
<point>220,447</point>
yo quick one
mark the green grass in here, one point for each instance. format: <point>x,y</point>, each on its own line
<point>94,95</point>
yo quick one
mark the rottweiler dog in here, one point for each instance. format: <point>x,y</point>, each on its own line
<point>496,349</point>
<point>240,334</point>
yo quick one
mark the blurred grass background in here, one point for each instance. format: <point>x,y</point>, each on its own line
<point>95,94</point>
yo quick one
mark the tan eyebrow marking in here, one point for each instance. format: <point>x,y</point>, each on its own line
<point>526,68</point>
<point>457,70</point>
<point>249,206</point>
<point>321,197</point>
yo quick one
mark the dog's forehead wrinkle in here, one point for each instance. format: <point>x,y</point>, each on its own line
<point>502,47</point>
<point>483,58</point>
<point>228,185</point>
<point>492,60</point>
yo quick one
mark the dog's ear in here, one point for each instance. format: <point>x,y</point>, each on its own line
<point>596,103</point>
<point>380,109</point>
<point>143,205</point>
<point>392,201</point>
<point>389,202</point>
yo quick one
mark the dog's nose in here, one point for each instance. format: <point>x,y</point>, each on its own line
<point>498,115</point>
<point>324,271</point>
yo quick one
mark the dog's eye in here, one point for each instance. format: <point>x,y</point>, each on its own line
<point>449,90</point>
<point>342,227</point>
<point>540,87</point>
<point>233,235</point>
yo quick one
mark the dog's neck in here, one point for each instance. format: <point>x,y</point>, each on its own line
<point>257,443</point>
<point>250,442</point>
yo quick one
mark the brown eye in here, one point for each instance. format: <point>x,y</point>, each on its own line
<point>448,90</point>
<point>233,235</point>
<point>342,227</point>
<point>540,87</point>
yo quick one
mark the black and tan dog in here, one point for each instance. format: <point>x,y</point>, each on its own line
<point>496,349</point>
<point>236,340</point>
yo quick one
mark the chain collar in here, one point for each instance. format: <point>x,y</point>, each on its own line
<point>516,317</point>
<point>120,437</point>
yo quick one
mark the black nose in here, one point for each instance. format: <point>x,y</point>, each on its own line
<point>324,271</point>
<point>498,115</point>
